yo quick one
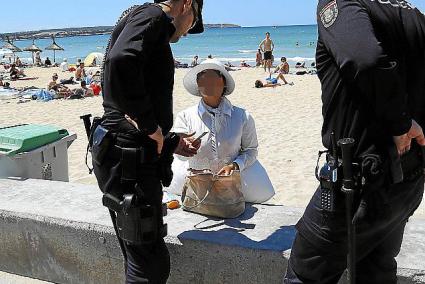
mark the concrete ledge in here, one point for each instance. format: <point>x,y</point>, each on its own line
<point>59,232</point>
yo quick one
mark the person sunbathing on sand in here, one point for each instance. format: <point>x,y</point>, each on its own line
<point>283,67</point>
<point>244,64</point>
<point>269,84</point>
<point>60,90</point>
<point>15,73</point>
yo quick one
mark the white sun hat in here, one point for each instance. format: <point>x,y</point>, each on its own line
<point>190,80</point>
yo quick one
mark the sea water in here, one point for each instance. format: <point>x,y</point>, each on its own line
<point>297,43</point>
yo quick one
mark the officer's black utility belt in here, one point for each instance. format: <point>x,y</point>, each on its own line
<point>140,154</point>
<point>369,168</point>
<point>405,168</point>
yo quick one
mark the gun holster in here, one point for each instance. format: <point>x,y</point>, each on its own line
<point>137,222</point>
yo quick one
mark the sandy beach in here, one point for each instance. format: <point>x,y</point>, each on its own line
<point>288,121</point>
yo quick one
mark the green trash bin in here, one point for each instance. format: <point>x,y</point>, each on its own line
<point>27,137</point>
<point>36,151</point>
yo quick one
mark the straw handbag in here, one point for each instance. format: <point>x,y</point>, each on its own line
<point>213,195</point>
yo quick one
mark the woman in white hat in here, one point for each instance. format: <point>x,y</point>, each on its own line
<point>231,140</point>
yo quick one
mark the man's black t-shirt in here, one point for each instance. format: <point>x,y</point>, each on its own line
<point>139,73</point>
<point>371,64</point>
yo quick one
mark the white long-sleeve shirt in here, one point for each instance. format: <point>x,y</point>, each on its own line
<point>232,135</point>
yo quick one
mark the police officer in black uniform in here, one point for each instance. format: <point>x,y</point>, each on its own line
<point>132,147</point>
<point>371,64</point>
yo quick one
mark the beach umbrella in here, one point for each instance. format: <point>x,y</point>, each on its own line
<point>92,56</point>
<point>54,46</point>
<point>9,45</point>
<point>32,48</point>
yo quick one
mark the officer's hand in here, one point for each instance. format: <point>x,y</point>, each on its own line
<point>187,147</point>
<point>404,142</point>
<point>158,138</point>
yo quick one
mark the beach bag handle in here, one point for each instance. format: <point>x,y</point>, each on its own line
<point>185,188</point>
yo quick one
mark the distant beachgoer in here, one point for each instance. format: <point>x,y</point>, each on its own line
<point>37,58</point>
<point>88,92</point>
<point>1,81</point>
<point>283,67</point>
<point>47,62</point>
<point>64,66</point>
<point>96,77</point>
<point>269,84</point>
<point>210,56</point>
<point>195,61</point>
<point>259,58</point>
<point>94,62</point>
<point>15,73</point>
<point>267,47</point>
<point>229,64</point>
<point>80,73</point>
<point>244,64</point>
<point>61,90</point>
<point>18,62</point>
<point>300,65</point>
<point>178,64</point>
<point>53,85</point>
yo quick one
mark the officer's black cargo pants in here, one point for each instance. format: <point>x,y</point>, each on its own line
<point>145,263</point>
<point>319,251</point>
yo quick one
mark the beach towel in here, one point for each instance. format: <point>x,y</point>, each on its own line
<point>7,94</point>
<point>45,96</point>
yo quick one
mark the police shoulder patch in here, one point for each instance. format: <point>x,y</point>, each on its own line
<point>329,14</point>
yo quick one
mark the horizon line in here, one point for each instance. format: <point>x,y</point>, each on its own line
<point>48,29</point>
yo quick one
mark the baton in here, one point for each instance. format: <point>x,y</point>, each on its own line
<point>346,146</point>
<point>87,123</point>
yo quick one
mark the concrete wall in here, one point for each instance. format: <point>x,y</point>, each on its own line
<point>46,233</point>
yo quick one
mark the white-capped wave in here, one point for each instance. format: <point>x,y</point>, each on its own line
<point>300,59</point>
<point>247,51</point>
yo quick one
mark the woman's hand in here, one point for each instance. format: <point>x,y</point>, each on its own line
<point>228,169</point>
<point>188,146</point>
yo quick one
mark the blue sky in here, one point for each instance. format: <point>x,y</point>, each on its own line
<point>34,15</point>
